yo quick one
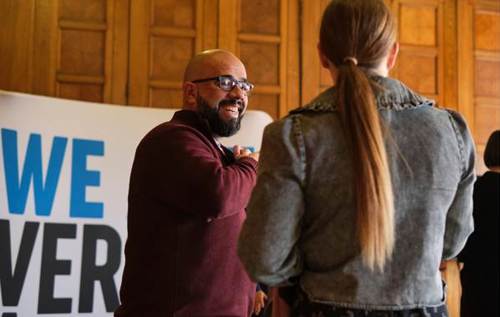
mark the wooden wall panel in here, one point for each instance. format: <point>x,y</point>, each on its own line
<point>325,77</point>
<point>268,46</point>
<point>487,117</point>
<point>479,69</point>
<point>45,52</point>
<point>292,57</point>
<point>262,46</point>
<point>420,34</point>
<point>265,102</point>
<point>164,34</point>
<point>16,44</point>
<point>487,77</point>
<point>412,63</point>
<point>315,78</point>
<point>179,14</point>
<point>262,62</point>
<point>417,24</point>
<point>89,10</point>
<point>165,96</point>
<point>85,92</point>
<point>487,26</point>
<point>169,57</point>
<point>267,11</point>
<point>81,49</point>
<point>486,52</point>
<point>450,273</point>
<point>82,52</point>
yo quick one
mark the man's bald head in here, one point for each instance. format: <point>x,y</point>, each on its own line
<point>211,63</point>
<point>221,107</point>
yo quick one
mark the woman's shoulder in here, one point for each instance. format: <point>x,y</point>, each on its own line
<point>323,103</point>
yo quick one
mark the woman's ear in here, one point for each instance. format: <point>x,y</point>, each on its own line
<point>393,55</point>
<point>325,62</point>
<point>322,57</point>
<point>190,94</point>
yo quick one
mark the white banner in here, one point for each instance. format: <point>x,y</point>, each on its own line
<point>64,172</point>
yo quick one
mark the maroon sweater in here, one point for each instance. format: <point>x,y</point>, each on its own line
<point>187,203</point>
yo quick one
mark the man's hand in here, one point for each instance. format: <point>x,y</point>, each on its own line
<point>260,301</point>
<point>240,152</point>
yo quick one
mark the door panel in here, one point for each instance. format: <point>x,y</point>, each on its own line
<point>15,44</point>
<point>267,45</point>
<point>80,49</point>
<point>315,78</point>
<point>479,67</point>
<point>420,64</point>
<point>164,35</point>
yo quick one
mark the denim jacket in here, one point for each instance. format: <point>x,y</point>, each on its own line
<point>301,220</point>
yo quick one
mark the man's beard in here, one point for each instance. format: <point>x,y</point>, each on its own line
<point>217,125</point>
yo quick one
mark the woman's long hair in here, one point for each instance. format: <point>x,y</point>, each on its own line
<point>355,36</point>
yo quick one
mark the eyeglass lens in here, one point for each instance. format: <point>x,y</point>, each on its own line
<point>228,83</point>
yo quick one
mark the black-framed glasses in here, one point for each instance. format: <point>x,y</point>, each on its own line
<point>228,82</point>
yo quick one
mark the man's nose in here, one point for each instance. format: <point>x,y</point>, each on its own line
<point>237,92</point>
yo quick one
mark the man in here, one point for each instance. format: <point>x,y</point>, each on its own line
<point>186,202</point>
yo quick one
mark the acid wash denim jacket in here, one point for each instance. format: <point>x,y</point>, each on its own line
<point>301,220</point>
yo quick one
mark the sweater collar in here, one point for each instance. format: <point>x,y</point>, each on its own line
<point>192,119</point>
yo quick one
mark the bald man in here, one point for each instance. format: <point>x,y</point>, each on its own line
<point>187,202</point>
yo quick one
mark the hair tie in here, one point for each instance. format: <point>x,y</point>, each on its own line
<point>352,59</point>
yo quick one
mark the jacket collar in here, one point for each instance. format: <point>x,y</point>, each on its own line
<point>389,94</point>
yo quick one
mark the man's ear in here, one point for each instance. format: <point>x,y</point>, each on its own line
<point>393,55</point>
<point>322,57</point>
<point>190,94</point>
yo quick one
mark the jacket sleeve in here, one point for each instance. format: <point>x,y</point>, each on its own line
<point>188,174</point>
<point>459,221</point>
<point>268,245</point>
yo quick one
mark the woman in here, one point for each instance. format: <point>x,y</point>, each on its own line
<point>480,255</point>
<point>364,191</point>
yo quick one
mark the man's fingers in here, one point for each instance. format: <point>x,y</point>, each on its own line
<point>257,309</point>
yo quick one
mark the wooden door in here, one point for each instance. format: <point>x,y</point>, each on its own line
<point>479,69</point>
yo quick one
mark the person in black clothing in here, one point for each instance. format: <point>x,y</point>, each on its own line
<point>480,255</point>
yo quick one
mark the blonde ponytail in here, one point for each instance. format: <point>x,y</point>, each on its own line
<point>372,181</point>
<point>356,37</point>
